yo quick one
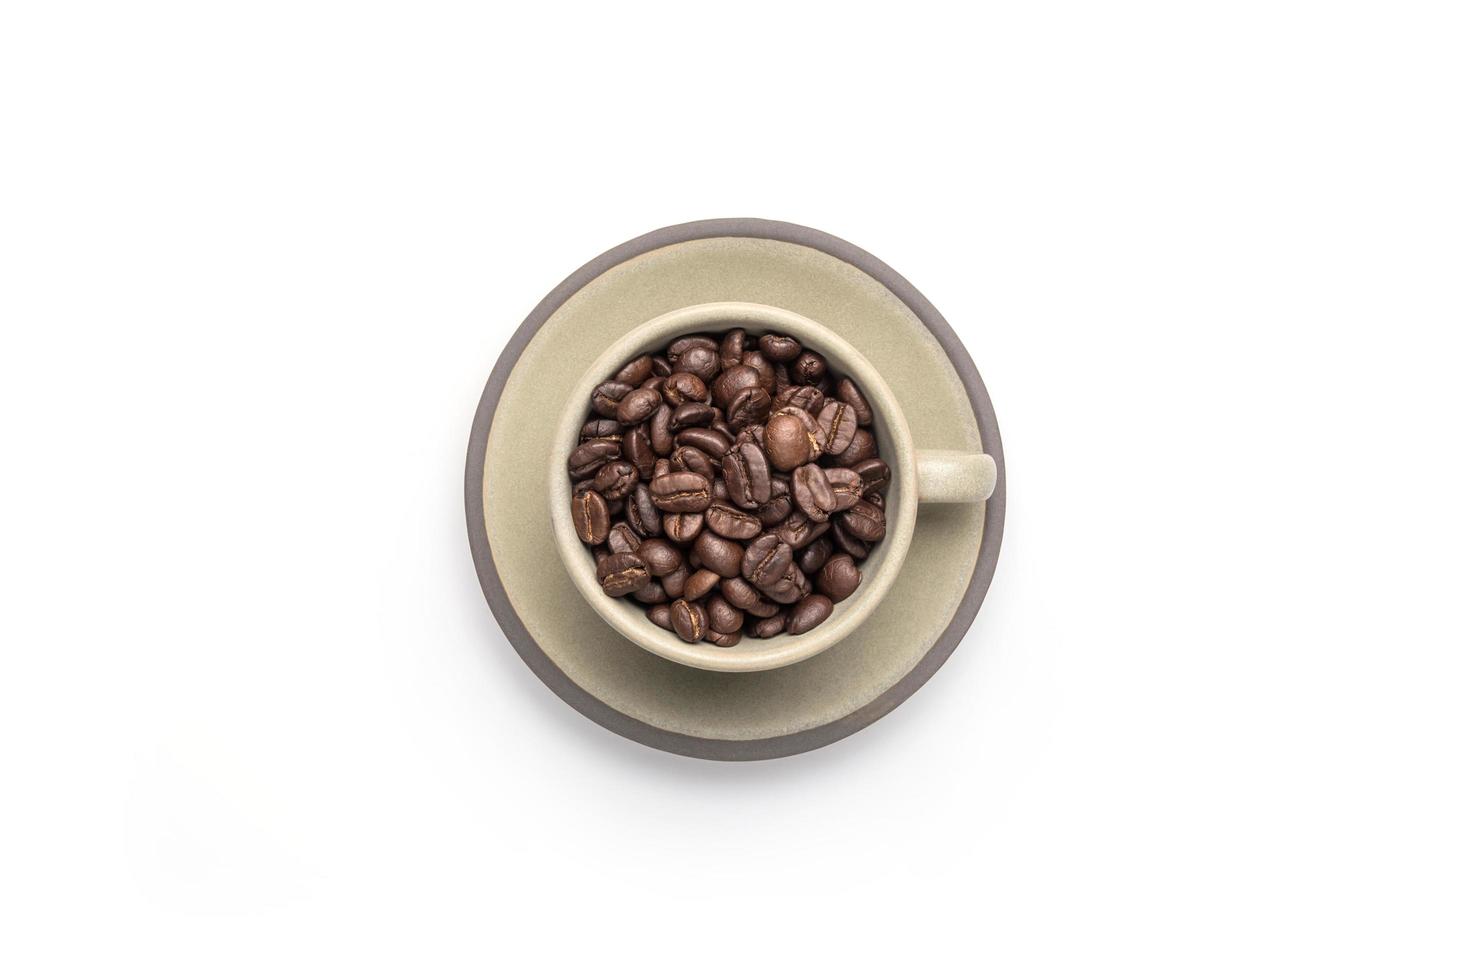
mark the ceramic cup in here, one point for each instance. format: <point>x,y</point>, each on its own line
<point>918,477</point>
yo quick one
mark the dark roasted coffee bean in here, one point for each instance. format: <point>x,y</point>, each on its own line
<point>746,475</point>
<point>764,370</point>
<point>769,626</point>
<point>766,560</point>
<point>783,378</point>
<point>723,429</point>
<point>701,583</point>
<point>712,443</point>
<point>721,639</point>
<point>864,521</point>
<point>621,574</point>
<point>751,433</point>
<point>636,371</point>
<point>651,594</point>
<point>729,522</point>
<point>589,517</point>
<point>846,487</point>
<point>691,460</point>
<point>637,449</point>
<point>749,406</point>
<point>616,479</point>
<point>718,554</point>
<point>662,465</point>
<point>739,593</point>
<point>786,589</point>
<point>812,493</point>
<point>601,429</point>
<point>638,406</point>
<point>862,447</point>
<point>660,556</point>
<point>798,530</point>
<point>689,620</point>
<point>683,344</point>
<point>791,438</point>
<point>614,508</point>
<point>661,615</point>
<point>654,382</point>
<point>838,578</point>
<point>808,399</point>
<point>588,457</point>
<point>838,422</point>
<point>855,547</point>
<point>852,395</point>
<point>730,382</point>
<point>775,510</point>
<point>763,609</point>
<point>731,348</point>
<point>877,500</point>
<point>693,415</point>
<point>809,613</point>
<point>622,539</point>
<point>681,493</point>
<point>721,492</point>
<point>676,581</point>
<point>779,348</point>
<point>681,386</point>
<point>723,617</point>
<point>642,516</point>
<point>660,431</point>
<point>813,556</point>
<point>683,528</point>
<point>874,474</point>
<point>808,368</point>
<point>701,362</point>
<point>661,367</point>
<point>607,396</point>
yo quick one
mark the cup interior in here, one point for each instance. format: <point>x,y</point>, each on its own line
<point>894,446</point>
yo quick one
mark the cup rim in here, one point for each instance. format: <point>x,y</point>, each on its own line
<point>752,654</point>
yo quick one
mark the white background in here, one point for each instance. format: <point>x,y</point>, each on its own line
<point>257,260</point>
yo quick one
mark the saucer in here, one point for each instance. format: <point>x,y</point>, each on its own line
<point>669,706</point>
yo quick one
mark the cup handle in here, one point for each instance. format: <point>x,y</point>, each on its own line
<point>949,477</point>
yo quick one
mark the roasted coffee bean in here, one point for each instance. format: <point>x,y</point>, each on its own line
<point>874,474</point>
<point>729,522</point>
<point>701,583</point>
<point>718,554</point>
<point>877,500</point>
<point>746,475</point>
<point>812,492</point>
<point>780,349</point>
<point>838,578</point>
<point>683,344</point>
<point>846,487</point>
<point>662,466</point>
<point>661,615</point>
<point>642,514</point>
<point>721,639</point>
<point>636,371</point>
<point>783,378</point>
<point>683,528</point>
<point>808,368</point>
<point>730,382</point>
<point>689,620</point>
<point>798,530</point>
<point>808,399</point>
<point>660,556</point>
<point>739,593</point>
<point>775,510</point>
<point>862,447</point>
<point>661,367</point>
<point>660,431</point>
<point>838,424</point>
<point>607,396</point>
<point>620,574</point>
<point>765,561</point>
<point>637,449</point>
<point>589,517</point>
<point>621,539</point>
<point>786,589</point>
<point>791,438</point>
<point>764,370</point>
<point>681,386</point>
<point>676,581</point>
<point>751,433</point>
<point>731,349</point>
<point>691,460</point>
<point>651,594</point>
<point>864,520</point>
<point>701,362</point>
<point>721,492</point>
<point>638,406</point>
<point>616,479</point>
<point>713,444</point>
<point>589,457</point>
<point>763,609</point>
<point>723,617</point>
<point>812,557</point>
<point>852,395</point>
<point>769,626</point>
<point>601,429</point>
<point>809,613</point>
<point>750,406</point>
<point>858,549</point>
<point>681,493</point>
<point>723,429</point>
<point>693,415</point>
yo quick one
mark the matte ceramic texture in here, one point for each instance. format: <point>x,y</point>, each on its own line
<point>729,716</point>
<point>947,477</point>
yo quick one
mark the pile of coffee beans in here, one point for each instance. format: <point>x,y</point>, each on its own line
<point>731,485</point>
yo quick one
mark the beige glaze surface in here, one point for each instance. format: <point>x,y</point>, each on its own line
<point>516,495</point>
